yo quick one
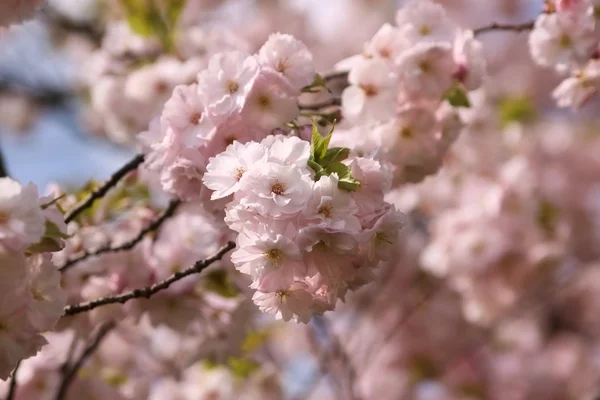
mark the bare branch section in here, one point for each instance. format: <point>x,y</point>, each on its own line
<point>71,373</point>
<point>526,26</point>
<point>148,291</point>
<point>153,226</point>
<point>12,389</point>
<point>102,190</point>
<point>333,102</point>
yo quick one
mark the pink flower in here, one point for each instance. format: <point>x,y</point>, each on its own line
<point>275,190</point>
<point>426,70</point>
<point>286,302</point>
<point>372,93</point>
<point>22,221</point>
<point>272,260</point>
<point>47,296</point>
<point>225,171</point>
<point>225,84</point>
<point>186,115</point>
<point>184,177</point>
<point>271,102</point>
<point>330,206</point>
<point>290,58</point>
<point>383,237</point>
<point>327,251</point>
<point>425,21</point>
<point>289,151</point>
<point>388,43</point>
<point>470,61</point>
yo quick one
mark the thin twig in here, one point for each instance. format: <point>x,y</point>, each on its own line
<point>102,190</point>
<point>153,226</point>
<point>89,350</point>
<point>12,389</point>
<point>3,171</point>
<point>525,26</point>
<point>148,291</point>
<point>333,102</point>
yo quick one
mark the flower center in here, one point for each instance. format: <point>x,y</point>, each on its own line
<point>381,238</point>
<point>282,66</point>
<point>274,255</point>
<point>385,52</point>
<point>4,217</point>
<point>325,210</point>
<point>278,188</point>
<point>424,30</point>
<point>264,101</point>
<point>37,294</point>
<point>425,67</point>
<point>321,246</point>
<point>406,132</point>
<point>239,172</point>
<point>195,118</point>
<point>564,41</point>
<point>232,86</point>
<point>370,90</point>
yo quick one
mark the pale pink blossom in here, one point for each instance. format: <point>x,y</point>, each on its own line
<point>275,190</point>
<point>426,70</point>
<point>290,58</point>
<point>286,303</point>
<point>331,206</point>
<point>424,20</point>
<point>225,84</point>
<point>225,171</point>
<point>185,113</point>
<point>271,102</point>
<point>15,11</point>
<point>22,221</point>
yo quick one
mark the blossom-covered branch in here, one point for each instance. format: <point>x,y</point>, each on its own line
<point>153,226</point>
<point>104,189</point>
<point>71,372</point>
<point>148,291</point>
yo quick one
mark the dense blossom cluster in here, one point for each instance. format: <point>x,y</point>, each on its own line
<point>304,241</point>
<point>32,299</point>
<point>238,97</point>
<point>398,87</point>
<point>566,37</point>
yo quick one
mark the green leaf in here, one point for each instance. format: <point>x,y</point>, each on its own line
<point>317,83</point>
<point>51,240</point>
<point>146,18</point>
<point>319,170</point>
<point>336,154</point>
<point>457,97</point>
<point>346,180</point>
<point>242,367</point>
<point>218,282</point>
<point>253,341</point>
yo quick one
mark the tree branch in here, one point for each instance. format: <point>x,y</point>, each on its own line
<point>333,102</point>
<point>153,226</point>
<point>102,190</point>
<point>89,350</point>
<point>148,291</point>
<point>525,26</point>
<point>3,171</point>
<point>12,389</point>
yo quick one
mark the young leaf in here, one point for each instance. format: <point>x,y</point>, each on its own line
<point>457,97</point>
<point>346,180</point>
<point>242,367</point>
<point>336,154</point>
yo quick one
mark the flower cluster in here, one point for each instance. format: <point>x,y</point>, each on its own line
<point>399,85</point>
<point>32,299</point>
<point>565,37</point>
<point>305,236</point>
<point>239,97</point>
